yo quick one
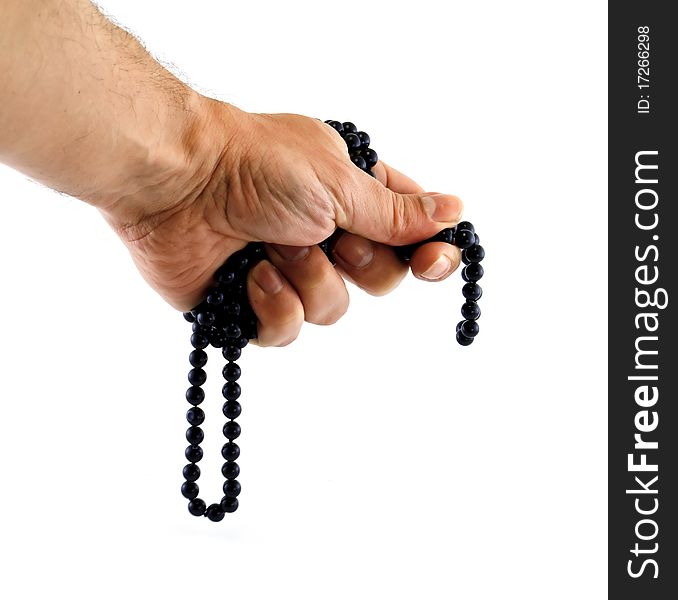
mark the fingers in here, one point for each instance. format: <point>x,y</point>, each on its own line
<point>435,261</point>
<point>279,310</point>
<point>321,289</point>
<point>395,180</point>
<point>384,271</point>
<point>371,266</point>
<point>372,210</point>
<point>295,284</point>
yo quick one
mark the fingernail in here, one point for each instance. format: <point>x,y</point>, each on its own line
<point>267,278</point>
<point>291,252</point>
<point>354,250</point>
<point>438,269</point>
<point>442,208</point>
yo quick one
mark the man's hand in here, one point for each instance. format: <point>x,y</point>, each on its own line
<point>186,180</point>
<point>287,180</point>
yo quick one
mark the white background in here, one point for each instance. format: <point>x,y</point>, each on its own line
<point>379,459</point>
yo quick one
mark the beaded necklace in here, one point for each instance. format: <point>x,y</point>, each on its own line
<point>225,319</point>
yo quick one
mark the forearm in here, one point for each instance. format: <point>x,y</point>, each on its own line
<point>86,110</point>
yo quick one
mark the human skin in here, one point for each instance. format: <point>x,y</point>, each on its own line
<point>186,180</point>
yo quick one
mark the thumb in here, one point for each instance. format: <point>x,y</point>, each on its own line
<point>382,215</point>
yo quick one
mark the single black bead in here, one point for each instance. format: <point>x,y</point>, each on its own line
<point>335,125</point>
<point>463,238</point>
<point>189,317</point>
<point>199,341</point>
<point>463,340</point>
<point>472,291</point>
<point>218,339</point>
<point>349,127</point>
<point>231,390</point>
<point>195,395</point>
<point>231,353</point>
<point>214,513</point>
<point>197,376</point>
<point>231,430</point>
<point>359,162</point>
<point>193,453</point>
<point>233,308</point>
<point>190,489</point>
<point>215,297</point>
<point>198,358</point>
<point>405,252</point>
<point>446,235</point>
<point>232,331</point>
<point>352,142</point>
<point>231,409</point>
<point>256,250</point>
<point>229,505</point>
<point>472,272</point>
<point>231,488</point>
<point>470,329</point>
<point>230,470</point>
<point>195,415</point>
<point>470,310</point>
<point>198,328</point>
<point>225,276</point>
<point>241,262</point>
<point>206,318</point>
<point>241,342</point>
<point>194,435</point>
<point>231,372</point>
<point>476,237</point>
<point>475,253</point>
<point>371,157</point>
<point>466,225</point>
<point>230,451</point>
<point>191,472</point>
<point>364,140</point>
<point>197,507</point>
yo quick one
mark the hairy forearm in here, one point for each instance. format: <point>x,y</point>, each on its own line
<point>86,110</point>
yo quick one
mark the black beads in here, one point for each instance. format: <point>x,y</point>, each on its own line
<point>193,453</point>
<point>470,328</point>
<point>199,340</point>
<point>472,291</point>
<point>470,310</point>
<point>190,490</point>
<point>231,409</point>
<point>197,507</point>
<point>197,377</point>
<point>194,435</point>
<point>229,505</point>
<point>463,238</point>
<point>191,472</point>
<point>195,395</point>
<point>231,488</point>
<point>225,320</point>
<point>231,430</point>
<point>198,358</point>
<point>214,513</point>
<point>231,390</point>
<point>231,372</point>
<point>472,272</point>
<point>195,415</point>
<point>230,451</point>
<point>230,470</point>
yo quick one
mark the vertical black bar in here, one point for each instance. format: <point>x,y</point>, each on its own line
<point>643,244</point>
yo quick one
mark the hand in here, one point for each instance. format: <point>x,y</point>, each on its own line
<point>286,180</point>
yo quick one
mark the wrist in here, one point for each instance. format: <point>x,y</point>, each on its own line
<point>172,166</point>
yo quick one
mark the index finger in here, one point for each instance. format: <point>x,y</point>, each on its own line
<point>395,180</point>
